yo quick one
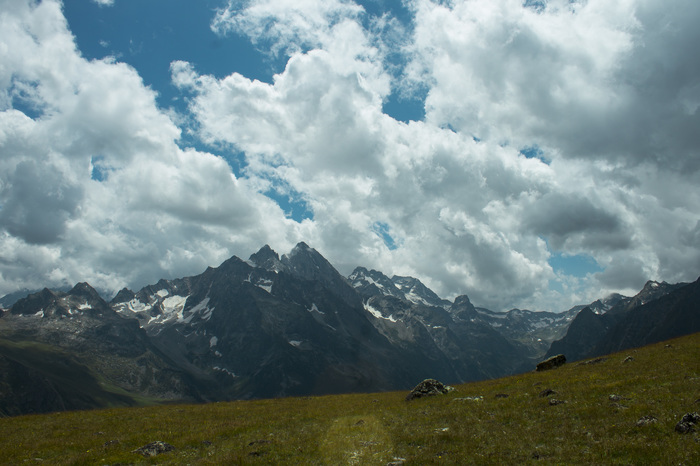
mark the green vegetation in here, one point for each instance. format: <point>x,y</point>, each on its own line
<point>33,370</point>
<point>471,425</point>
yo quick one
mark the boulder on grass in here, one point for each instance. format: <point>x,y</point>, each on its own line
<point>688,423</point>
<point>551,363</point>
<point>428,387</point>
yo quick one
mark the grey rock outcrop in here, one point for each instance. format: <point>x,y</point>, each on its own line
<point>551,363</point>
<point>428,387</point>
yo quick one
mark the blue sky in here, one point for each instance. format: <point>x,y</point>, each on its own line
<point>535,155</point>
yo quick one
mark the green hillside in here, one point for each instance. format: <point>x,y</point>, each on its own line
<point>35,376</point>
<point>621,410</point>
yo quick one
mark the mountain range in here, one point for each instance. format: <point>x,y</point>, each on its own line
<point>274,326</point>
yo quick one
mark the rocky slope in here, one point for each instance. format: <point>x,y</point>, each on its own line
<point>593,333</point>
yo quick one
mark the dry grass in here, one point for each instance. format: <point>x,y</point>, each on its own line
<point>458,428</point>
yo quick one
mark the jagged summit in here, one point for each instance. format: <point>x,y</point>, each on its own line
<point>84,290</point>
<point>124,295</point>
<point>307,263</point>
<point>373,283</point>
<point>416,292</point>
<point>268,259</point>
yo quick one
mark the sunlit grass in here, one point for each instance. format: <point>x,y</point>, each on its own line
<point>378,428</point>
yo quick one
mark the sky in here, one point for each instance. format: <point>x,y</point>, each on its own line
<point>534,154</point>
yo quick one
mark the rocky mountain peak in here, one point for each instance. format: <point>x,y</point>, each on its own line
<point>416,292</point>
<point>307,263</point>
<point>124,295</point>
<point>267,258</point>
<point>87,292</point>
<point>463,301</point>
<point>40,300</point>
<point>653,290</point>
<point>373,283</point>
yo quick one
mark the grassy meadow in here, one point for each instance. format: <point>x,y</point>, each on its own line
<point>597,421</point>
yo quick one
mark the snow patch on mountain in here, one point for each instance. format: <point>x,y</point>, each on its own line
<point>224,370</point>
<point>203,308</point>
<point>265,285</point>
<point>377,314</point>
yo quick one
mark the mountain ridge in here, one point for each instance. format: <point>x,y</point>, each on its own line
<point>275,326</point>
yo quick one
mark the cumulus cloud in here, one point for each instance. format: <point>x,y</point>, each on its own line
<point>285,26</point>
<point>466,216</point>
<point>95,181</point>
<point>154,210</point>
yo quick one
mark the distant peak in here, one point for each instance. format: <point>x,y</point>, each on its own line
<point>359,271</point>
<point>265,253</point>
<point>462,300</point>
<point>267,258</point>
<point>85,291</point>
<point>82,286</point>
<point>124,295</point>
<point>300,247</point>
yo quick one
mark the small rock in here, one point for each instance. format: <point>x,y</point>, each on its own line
<point>628,359</point>
<point>502,395</point>
<point>547,392</point>
<point>551,363</point>
<point>368,443</point>
<point>470,398</point>
<point>397,462</point>
<point>554,402</point>
<point>428,387</point>
<point>614,397</point>
<point>687,423</point>
<point>154,448</point>
<point>259,442</point>
<point>646,420</point>
<point>592,361</point>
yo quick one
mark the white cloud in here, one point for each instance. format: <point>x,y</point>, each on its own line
<point>157,211</point>
<point>286,26</point>
<point>468,216</point>
<point>607,90</point>
<point>104,2</point>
